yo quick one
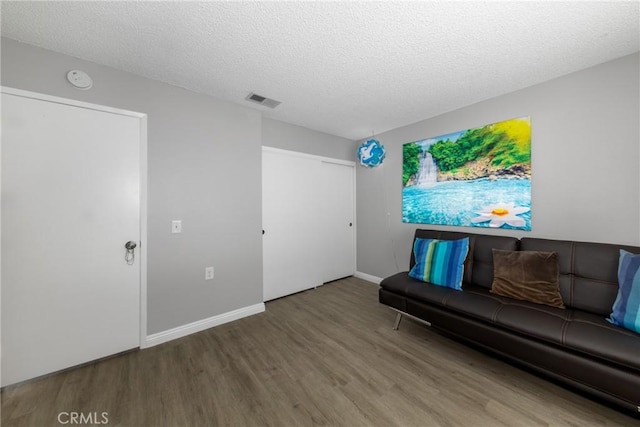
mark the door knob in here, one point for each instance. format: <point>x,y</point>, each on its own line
<point>129,256</point>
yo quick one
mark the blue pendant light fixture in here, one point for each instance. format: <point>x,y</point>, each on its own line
<point>371,153</point>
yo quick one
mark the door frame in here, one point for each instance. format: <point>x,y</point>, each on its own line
<point>142,256</point>
<point>324,159</point>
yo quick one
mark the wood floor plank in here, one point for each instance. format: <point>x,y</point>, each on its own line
<point>326,357</point>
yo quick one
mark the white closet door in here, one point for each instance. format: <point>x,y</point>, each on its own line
<point>70,201</point>
<point>291,223</point>
<point>337,221</point>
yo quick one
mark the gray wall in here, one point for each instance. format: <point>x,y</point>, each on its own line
<point>296,138</point>
<point>204,159</point>
<point>585,164</point>
<point>204,168</point>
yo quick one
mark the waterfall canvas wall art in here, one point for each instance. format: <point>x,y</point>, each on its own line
<point>479,177</point>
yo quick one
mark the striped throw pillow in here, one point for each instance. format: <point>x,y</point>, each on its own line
<point>626,308</point>
<point>440,262</point>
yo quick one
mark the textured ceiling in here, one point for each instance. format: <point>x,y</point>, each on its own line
<point>345,68</point>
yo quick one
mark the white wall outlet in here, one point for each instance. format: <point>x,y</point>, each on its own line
<point>208,273</point>
<point>176,226</point>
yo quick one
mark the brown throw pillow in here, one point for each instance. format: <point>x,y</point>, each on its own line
<point>527,275</point>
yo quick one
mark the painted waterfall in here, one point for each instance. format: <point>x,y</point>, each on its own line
<point>479,177</point>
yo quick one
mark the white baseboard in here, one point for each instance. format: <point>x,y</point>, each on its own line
<point>201,325</point>
<point>367,277</point>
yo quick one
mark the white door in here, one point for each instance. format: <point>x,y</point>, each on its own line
<point>70,202</point>
<point>308,221</point>
<point>290,207</point>
<point>337,221</point>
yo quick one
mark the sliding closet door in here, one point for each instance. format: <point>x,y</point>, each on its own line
<point>337,218</point>
<point>290,203</point>
<point>308,221</point>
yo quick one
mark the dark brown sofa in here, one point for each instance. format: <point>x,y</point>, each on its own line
<point>575,345</point>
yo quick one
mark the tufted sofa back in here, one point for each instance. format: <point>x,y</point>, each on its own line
<point>479,268</point>
<point>588,271</point>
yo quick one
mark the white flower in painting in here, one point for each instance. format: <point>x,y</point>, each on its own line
<point>501,214</point>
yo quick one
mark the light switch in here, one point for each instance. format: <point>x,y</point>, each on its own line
<point>176,226</point>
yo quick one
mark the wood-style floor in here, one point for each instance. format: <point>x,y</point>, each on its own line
<point>322,357</point>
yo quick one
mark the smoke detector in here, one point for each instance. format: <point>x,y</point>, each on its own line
<point>262,100</point>
<point>80,79</point>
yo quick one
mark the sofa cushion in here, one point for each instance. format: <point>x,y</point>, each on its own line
<point>403,284</point>
<point>535,320</point>
<point>440,262</point>
<point>592,334</point>
<point>399,283</point>
<point>532,319</point>
<point>626,308</point>
<point>527,275</point>
<point>475,301</point>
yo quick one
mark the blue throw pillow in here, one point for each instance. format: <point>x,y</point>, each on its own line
<point>626,308</point>
<point>440,262</point>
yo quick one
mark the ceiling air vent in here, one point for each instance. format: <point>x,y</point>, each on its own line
<point>267,102</point>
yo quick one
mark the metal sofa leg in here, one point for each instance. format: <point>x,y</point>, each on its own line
<point>396,325</point>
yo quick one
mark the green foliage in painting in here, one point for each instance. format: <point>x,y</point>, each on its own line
<point>410,161</point>
<point>448,155</point>
<point>506,143</point>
